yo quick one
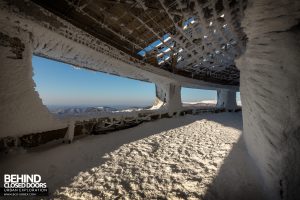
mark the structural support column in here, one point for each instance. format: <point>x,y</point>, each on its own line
<point>22,111</point>
<point>168,96</point>
<point>270,93</point>
<point>226,100</point>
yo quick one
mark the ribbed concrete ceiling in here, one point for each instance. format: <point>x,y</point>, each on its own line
<point>197,39</point>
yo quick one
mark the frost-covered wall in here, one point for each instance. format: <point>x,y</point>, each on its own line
<point>168,96</point>
<point>21,109</point>
<point>270,93</point>
<point>226,100</point>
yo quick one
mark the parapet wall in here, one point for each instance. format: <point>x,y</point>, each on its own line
<point>83,126</point>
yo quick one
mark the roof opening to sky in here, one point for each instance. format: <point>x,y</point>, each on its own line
<point>156,44</point>
<point>60,84</point>
<point>164,47</point>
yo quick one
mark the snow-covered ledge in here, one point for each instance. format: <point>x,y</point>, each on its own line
<point>168,96</point>
<point>226,100</point>
<point>270,93</point>
<point>22,111</point>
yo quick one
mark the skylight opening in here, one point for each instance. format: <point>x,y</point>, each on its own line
<point>154,45</point>
<point>160,54</point>
<point>167,39</point>
<point>188,22</point>
<point>159,44</point>
<point>167,50</point>
<point>164,45</point>
<point>142,53</point>
<point>161,62</point>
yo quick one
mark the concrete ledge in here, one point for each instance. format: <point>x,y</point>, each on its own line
<point>94,126</point>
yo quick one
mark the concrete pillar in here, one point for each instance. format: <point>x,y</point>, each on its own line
<point>70,133</point>
<point>168,96</point>
<point>22,111</point>
<point>270,93</point>
<point>226,100</point>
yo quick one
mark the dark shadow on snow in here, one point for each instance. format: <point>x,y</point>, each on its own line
<point>237,179</point>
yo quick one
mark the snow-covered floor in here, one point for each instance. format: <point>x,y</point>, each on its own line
<point>190,157</point>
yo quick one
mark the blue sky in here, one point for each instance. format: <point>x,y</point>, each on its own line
<point>62,84</point>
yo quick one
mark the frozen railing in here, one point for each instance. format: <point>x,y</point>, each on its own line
<point>93,125</point>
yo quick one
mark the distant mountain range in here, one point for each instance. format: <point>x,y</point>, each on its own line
<point>88,110</point>
<point>98,110</point>
<point>81,110</point>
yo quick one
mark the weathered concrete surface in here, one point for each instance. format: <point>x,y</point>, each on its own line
<point>226,100</point>
<point>168,96</point>
<point>270,92</point>
<point>22,111</point>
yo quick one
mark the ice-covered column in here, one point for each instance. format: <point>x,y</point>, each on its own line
<point>22,111</point>
<point>226,100</point>
<point>168,96</point>
<point>270,93</point>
